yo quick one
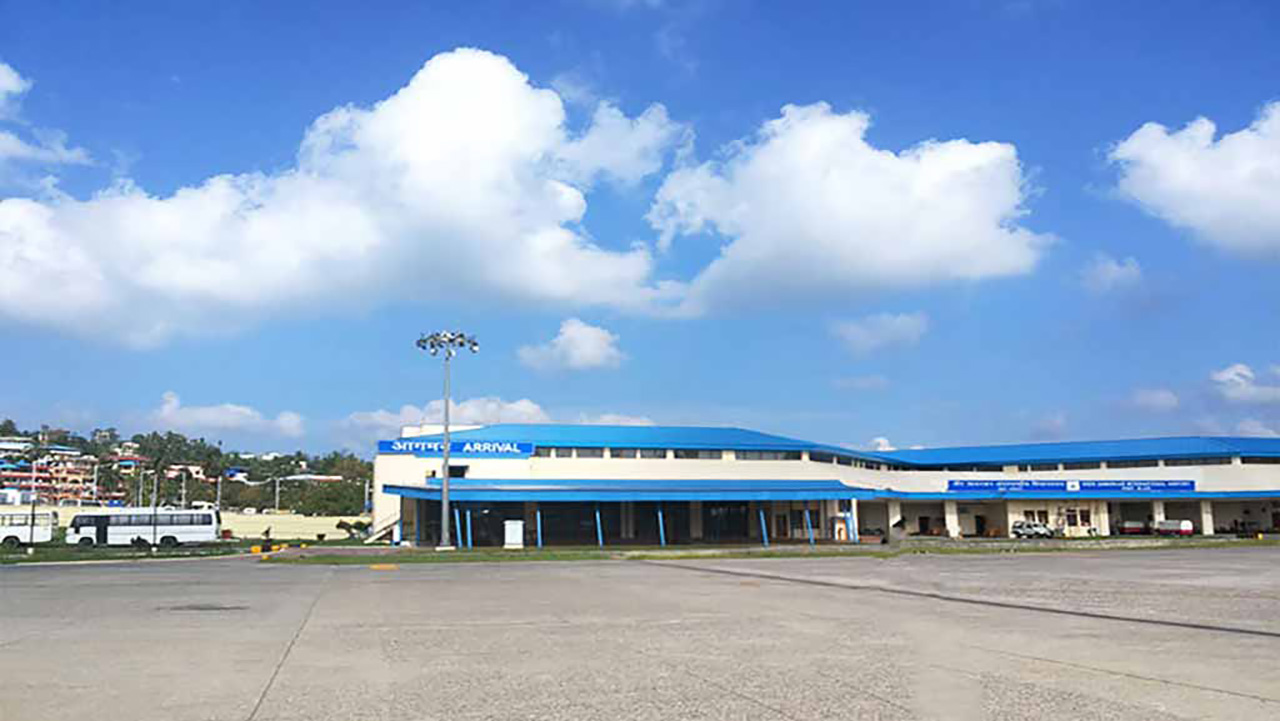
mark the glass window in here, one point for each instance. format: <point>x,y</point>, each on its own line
<point>1261,459</point>
<point>1072,518</point>
<point>765,455</point>
<point>820,457</point>
<point>1198,461</point>
<point>206,519</point>
<point>1086,517</point>
<point>653,453</point>
<point>590,452</point>
<point>844,460</point>
<point>1135,463</point>
<point>563,452</point>
<point>542,452</point>
<point>697,453</point>
<point>623,453</point>
<point>1081,465</point>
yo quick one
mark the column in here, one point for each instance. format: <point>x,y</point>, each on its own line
<point>753,531</point>
<point>952,513</point>
<point>1102,518</point>
<point>1206,517</point>
<point>1011,514</point>
<point>628,520</point>
<point>695,520</point>
<point>1157,511</point>
<point>851,522</point>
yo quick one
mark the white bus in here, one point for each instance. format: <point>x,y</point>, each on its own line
<point>16,527</point>
<point>162,527</point>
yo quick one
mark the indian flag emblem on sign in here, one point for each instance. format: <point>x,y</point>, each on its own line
<point>1073,485</point>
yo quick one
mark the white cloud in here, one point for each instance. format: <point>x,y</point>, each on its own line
<point>224,417</point>
<point>578,346</point>
<point>882,330</point>
<point>1050,428</point>
<point>1160,400</point>
<point>1238,384</point>
<point>361,429</point>
<point>615,419</point>
<point>863,383</point>
<point>809,206</point>
<point>880,443</point>
<point>468,166</point>
<point>1254,427</point>
<point>1105,274</point>
<point>12,87</point>
<point>1222,189</point>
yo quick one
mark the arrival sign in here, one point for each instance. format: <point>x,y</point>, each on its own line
<point>457,449</point>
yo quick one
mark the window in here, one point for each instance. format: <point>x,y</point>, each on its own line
<point>765,455</point>
<point>623,453</point>
<point>1086,517</point>
<point>1222,461</point>
<point>1038,467</point>
<point>844,460</point>
<point>1261,459</point>
<point>653,453</point>
<point>699,454</point>
<point>590,452</point>
<point>542,452</point>
<point>1081,465</point>
<point>1135,463</point>
<point>1073,519</point>
<point>820,457</point>
<point>563,452</point>
<point>206,519</point>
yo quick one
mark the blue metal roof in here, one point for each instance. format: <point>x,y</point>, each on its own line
<point>1068,451</point>
<point>598,436</point>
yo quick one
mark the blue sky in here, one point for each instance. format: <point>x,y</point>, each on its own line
<point>958,230</point>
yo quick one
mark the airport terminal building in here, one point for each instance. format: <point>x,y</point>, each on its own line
<point>658,485</point>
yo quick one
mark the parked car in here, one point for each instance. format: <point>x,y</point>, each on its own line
<point>1131,528</point>
<point>1174,528</point>
<point>1031,529</point>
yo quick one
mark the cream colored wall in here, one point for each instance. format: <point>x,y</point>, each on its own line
<point>1057,510</point>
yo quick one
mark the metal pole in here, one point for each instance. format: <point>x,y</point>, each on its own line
<point>277,494</point>
<point>764,529</point>
<point>184,489</point>
<point>539,515</point>
<point>850,535</point>
<point>599,532</point>
<point>468,528</point>
<point>662,528</point>
<point>31,542</point>
<point>218,503</point>
<point>808,524</point>
<point>445,541</point>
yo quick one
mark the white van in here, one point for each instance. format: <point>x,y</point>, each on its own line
<point>1174,528</point>
<point>23,527</point>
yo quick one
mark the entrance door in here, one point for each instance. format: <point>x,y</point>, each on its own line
<point>980,526</point>
<point>922,525</point>
<point>100,530</point>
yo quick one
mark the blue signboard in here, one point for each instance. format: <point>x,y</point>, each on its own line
<point>1019,485</point>
<point>458,449</point>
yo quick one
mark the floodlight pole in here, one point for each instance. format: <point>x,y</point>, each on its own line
<point>449,342</point>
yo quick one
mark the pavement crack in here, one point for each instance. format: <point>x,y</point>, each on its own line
<point>306,618</point>
<point>991,603</point>
<point>1125,674</point>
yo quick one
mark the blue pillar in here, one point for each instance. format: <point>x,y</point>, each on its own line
<point>764,529</point>
<point>852,519</point>
<point>457,527</point>
<point>808,524</point>
<point>599,531</point>
<point>662,528</point>
<point>468,528</point>
<point>850,534</point>
<point>538,512</point>
<point>419,512</point>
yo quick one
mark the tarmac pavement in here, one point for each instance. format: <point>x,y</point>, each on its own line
<point>1182,634</point>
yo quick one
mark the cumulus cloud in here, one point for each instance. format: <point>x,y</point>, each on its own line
<point>863,383</point>
<point>1237,383</point>
<point>1223,189</point>
<point>43,147</point>
<point>468,166</point>
<point>1050,428</point>
<point>1105,274</point>
<point>223,417</point>
<point>363,428</point>
<point>883,330</point>
<point>880,443</point>
<point>1255,427</point>
<point>615,419</point>
<point>12,87</point>
<point>809,206</point>
<point>578,346</point>
<point>1160,400</point>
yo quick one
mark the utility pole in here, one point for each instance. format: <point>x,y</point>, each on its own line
<point>449,342</point>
